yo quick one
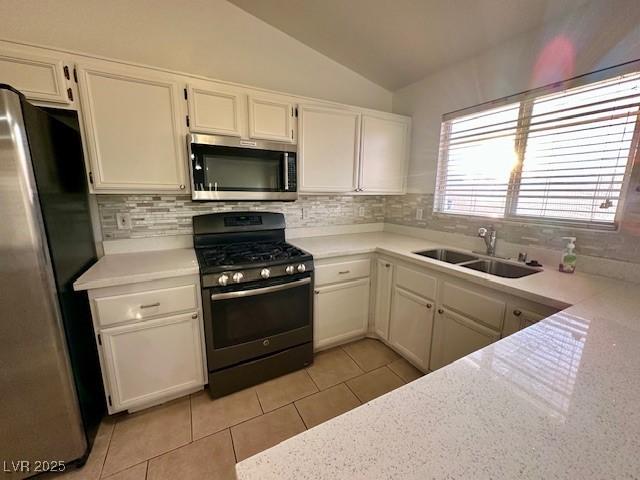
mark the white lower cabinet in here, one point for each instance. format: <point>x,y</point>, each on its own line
<point>411,326</point>
<point>455,336</point>
<point>341,312</point>
<point>153,359</point>
<point>150,341</point>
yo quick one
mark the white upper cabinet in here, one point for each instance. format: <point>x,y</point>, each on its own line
<point>383,154</point>
<point>216,108</point>
<point>329,149</point>
<point>134,126</point>
<point>38,77</point>
<point>271,119</point>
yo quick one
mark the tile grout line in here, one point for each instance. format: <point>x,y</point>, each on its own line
<point>106,453</point>
<point>312,380</point>
<point>353,393</point>
<point>255,390</point>
<point>301,417</point>
<point>233,445</point>
<point>191,416</point>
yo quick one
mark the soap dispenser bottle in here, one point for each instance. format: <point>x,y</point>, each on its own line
<point>568,259</point>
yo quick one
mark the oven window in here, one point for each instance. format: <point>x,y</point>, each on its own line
<point>218,168</point>
<point>244,319</point>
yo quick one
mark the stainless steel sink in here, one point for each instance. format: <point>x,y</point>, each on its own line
<point>449,256</point>
<point>501,269</point>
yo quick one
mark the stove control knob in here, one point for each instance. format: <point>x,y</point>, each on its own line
<point>290,269</point>
<point>265,273</point>
<point>301,268</point>
<point>238,276</point>
<point>223,279</point>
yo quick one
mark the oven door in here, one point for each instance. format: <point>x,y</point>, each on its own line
<point>243,323</point>
<point>234,169</point>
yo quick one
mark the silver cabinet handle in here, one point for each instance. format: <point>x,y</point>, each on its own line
<point>150,305</point>
<point>182,187</point>
<point>317,292</point>
<point>344,271</point>
<point>387,265</point>
<point>194,315</point>
<point>429,305</point>
<point>440,311</point>
<point>260,291</point>
<point>517,313</point>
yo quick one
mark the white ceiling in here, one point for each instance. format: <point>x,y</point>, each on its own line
<point>397,42</point>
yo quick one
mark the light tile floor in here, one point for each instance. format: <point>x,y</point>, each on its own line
<point>197,437</point>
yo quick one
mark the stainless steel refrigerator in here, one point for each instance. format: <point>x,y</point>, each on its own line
<point>51,393</point>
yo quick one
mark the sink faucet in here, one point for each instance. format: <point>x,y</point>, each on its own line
<point>489,235</point>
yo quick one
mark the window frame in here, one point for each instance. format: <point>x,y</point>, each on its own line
<point>526,101</point>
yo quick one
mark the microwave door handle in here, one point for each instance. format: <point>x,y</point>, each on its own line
<point>285,167</point>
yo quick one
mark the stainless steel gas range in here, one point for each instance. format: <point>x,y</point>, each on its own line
<point>257,295</point>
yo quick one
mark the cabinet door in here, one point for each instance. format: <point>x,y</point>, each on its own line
<point>38,77</point>
<point>151,360</point>
<point>329,147</point>
<point>383,155</point>
<point>384,279</point>
<point>271,119</point>
<point>341,312</point>
<point>455,336</point>
<point>217,109</point>
<point>134,130</point>
<point>411,326</point>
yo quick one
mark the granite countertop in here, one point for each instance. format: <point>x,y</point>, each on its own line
<point>126,268</point>
<point>556,400</point>
<point>550,287</point>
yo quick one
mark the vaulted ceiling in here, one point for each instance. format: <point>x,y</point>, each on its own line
<point>397,42</point>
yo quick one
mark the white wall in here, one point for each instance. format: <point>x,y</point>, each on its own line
<point>207,37</point>
<point>602,33</point>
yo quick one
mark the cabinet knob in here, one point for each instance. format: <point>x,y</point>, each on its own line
<point>194,316</point>
<point>387,265</point>
<point>316,292</point>
<point>429,305</point>
<point>182,187</point>
<point>440,311</point>
<point>517,313</point>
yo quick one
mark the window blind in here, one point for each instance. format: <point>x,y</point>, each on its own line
<point>558,156</point>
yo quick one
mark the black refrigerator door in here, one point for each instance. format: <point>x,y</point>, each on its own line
<point>58,163</point>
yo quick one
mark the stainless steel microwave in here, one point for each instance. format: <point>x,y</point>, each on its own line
<point>228,168</point>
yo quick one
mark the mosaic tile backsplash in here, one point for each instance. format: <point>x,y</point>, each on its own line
<point>623,245</point>
<point>158,215</point>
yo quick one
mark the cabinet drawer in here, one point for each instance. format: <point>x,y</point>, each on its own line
<point>340,272</point>
<point>477,306</point>
<point>416,282</point>
<point>140,305</point>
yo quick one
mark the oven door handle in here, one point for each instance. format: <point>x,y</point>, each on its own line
<point>260,291</point>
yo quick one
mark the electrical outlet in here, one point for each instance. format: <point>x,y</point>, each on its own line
<point>124,221</point>
<point>361,212</point>
<point>419,212</point>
